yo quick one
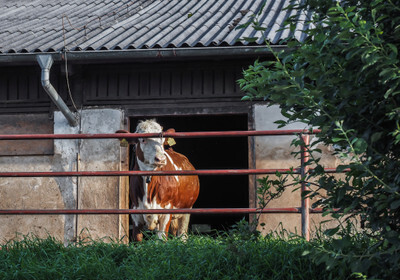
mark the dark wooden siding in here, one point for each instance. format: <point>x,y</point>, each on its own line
<point>119,84</point>
<point>21,89</point>
<point>125,85</point>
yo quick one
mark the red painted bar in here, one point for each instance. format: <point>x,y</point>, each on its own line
<point>158,173</point>
<point>289,210</point>
<point>147,173</point>
<point>320,210</point>
<point>155,135</point>
<point>148,211</point>
<point>333,170</point>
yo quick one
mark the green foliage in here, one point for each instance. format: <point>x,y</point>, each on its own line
<point>227,256</point>
<point>347,253</point>
<point>345,80</point>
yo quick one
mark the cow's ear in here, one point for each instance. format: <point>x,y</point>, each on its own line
<point>128,140</point>
<point>122,131</point>
<point>169,141</point>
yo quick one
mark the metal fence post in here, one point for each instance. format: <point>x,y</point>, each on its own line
<point>305,201</point>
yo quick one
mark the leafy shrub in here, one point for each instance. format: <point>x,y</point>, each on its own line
<point>345,80</point>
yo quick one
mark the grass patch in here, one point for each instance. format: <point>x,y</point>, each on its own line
<point>200,257</point>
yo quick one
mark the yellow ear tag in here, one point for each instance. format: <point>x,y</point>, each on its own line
<point>124,143</point>
<point>171,141</point>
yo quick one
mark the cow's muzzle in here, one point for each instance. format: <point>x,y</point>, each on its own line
<point>160,160</point>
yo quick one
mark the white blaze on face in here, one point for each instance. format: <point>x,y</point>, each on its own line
<point>154,156</point>
<point>152,148</point>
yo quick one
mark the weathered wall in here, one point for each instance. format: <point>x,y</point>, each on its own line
<point>111,192</point>
<point>275,152</point>
<point>99,192</point>
<point>68,192</point>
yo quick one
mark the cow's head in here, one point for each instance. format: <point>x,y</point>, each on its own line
<point>149,151</point>
<point>151,221</point>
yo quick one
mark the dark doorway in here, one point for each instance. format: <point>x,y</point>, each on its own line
<point>213,153</point>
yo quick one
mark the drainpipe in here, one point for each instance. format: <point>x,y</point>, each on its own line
<point>45,62</point>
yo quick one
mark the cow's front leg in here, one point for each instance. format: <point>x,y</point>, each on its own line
<point>163,226</point>
<point>137,233</point>
<point>138,224</point>
<point>183,225</point>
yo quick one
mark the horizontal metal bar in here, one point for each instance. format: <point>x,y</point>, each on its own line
<point>149,211</point>
<point>333,170</point>
<point>289,210</point>
<point>155,135</point>
<point>160,173</point>
<point>148,173</point>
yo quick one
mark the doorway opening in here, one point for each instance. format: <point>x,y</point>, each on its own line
<point>216,191</point>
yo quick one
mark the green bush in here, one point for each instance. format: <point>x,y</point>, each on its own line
<point>345,80</point>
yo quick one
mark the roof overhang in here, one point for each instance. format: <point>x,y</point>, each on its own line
<point>143,55</point>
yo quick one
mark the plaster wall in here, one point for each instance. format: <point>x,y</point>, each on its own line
<point>99,192</point>
<point>67,192</point>
<point>275,152</point>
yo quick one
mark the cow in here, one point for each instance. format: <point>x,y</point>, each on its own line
<point>160,192</point>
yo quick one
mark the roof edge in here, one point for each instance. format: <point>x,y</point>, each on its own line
<point>160,54</point>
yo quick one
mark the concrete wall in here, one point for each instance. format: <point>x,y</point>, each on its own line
<point>275,152</point>
<point>69,192</point>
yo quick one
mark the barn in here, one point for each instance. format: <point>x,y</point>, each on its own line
<point>71,67</point>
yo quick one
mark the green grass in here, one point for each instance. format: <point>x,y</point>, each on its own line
<point>200,257</point>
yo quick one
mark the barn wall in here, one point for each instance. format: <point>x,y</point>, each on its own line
<point>275,152</point>
<point>67,192</point>
<point>185,88</point>
<point>100,192</point>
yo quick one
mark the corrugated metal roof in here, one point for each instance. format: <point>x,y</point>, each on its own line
<point>28,26</point>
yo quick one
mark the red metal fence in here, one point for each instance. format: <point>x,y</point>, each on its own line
<point>305,209</point>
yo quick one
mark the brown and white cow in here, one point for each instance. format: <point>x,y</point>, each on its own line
<point>160,192</point>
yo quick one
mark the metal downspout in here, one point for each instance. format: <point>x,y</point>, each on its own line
<point>45,62</point>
